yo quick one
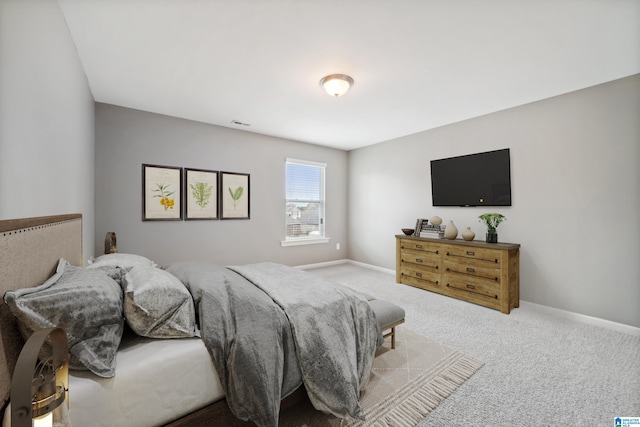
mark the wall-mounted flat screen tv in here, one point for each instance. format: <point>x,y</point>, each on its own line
<point>481,179</point>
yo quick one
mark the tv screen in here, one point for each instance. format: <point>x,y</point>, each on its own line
<point>481,179</point>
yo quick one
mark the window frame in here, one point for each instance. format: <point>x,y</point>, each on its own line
<point>306,240</point>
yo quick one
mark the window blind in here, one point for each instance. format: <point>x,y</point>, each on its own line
<point>305,192</point>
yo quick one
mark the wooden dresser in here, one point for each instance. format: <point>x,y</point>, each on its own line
<point>482,273</point>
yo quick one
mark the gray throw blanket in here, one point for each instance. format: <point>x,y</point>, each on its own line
<point>248,337</point>
<point>335,332</point>
<point>251,339</point>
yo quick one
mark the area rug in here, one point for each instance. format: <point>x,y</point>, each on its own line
<point>406,384</point>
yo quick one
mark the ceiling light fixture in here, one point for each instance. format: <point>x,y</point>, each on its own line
<point>336,84</point>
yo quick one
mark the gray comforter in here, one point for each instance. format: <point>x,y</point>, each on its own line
<point>253,327</point>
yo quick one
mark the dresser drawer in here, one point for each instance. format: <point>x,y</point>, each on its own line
<point>474,291</point>
<point>473,256</point>
<point>469,270</point>
<point>422,246</point>
<point>423,284</point>
<point>427,274</point>
<point>426,258</point>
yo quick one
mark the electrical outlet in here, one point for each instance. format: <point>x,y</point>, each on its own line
<point>337,246</point>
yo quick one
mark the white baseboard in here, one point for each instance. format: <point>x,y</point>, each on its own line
<point>372,267</point>
<point>596,321</point>
<point>322,264</point>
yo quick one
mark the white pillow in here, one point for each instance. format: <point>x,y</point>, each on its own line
<point>157,304</point>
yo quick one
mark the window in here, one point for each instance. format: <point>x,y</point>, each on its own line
<point>305,202</point>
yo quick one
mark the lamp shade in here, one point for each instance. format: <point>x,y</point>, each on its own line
<point>336,84</point>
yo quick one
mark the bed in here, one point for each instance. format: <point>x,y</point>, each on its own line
<point>31,250</point>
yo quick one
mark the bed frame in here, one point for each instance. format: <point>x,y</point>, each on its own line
<point>30,249</point>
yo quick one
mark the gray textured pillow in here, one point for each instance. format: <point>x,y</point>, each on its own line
<point>87,304</point>
<point>157,304</point>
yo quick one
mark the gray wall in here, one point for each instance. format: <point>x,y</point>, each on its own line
<point>125,139</point>
<point>46,118</point>
<point>576,195</point>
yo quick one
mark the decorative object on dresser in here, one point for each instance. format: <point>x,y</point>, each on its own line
<point>468,234</point>
<point>436,220</point>
<point>477,272</point>
<point>420,224</point>
<point>432,231</point>
<point>451,231</point>
<point>492,220</point>
<point>408,231</point>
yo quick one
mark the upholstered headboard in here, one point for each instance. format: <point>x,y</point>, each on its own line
<point>29,252</point>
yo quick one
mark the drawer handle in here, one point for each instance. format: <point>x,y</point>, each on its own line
<point>418,274</point>
<point>418,260</point>
<point>470,253</point>
<point>471,270</point>
<point>419,246</point>
<point>470,286</point>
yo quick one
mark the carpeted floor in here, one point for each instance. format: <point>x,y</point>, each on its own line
<point>406,384</point>
<point>540,369</point>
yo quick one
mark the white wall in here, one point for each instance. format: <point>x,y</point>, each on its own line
<point>46,117</point>
<point>125,139</point>
<point>575,168</point>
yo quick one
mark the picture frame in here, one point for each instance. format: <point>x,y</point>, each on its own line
<point>235,195</point>
<point>200,194</point>
<point>161,193</point>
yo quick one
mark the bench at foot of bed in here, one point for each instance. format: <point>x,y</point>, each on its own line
<point>388,316</point>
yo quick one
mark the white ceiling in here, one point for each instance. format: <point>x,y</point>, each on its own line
<point>417,64</point>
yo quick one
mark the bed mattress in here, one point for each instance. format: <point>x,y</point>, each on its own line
<point>156,381</point>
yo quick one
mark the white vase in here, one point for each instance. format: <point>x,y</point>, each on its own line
<point>468,234</point>
<point>451,232</point>
<point>435,220</point>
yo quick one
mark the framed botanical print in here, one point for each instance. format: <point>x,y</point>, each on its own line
<point>161,193</point>
<point>201,194</point>
<point>234,195</point>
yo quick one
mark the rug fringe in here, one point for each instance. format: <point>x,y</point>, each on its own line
<point>409,405</point>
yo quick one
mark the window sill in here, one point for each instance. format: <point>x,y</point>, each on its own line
<point>308,241</point>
